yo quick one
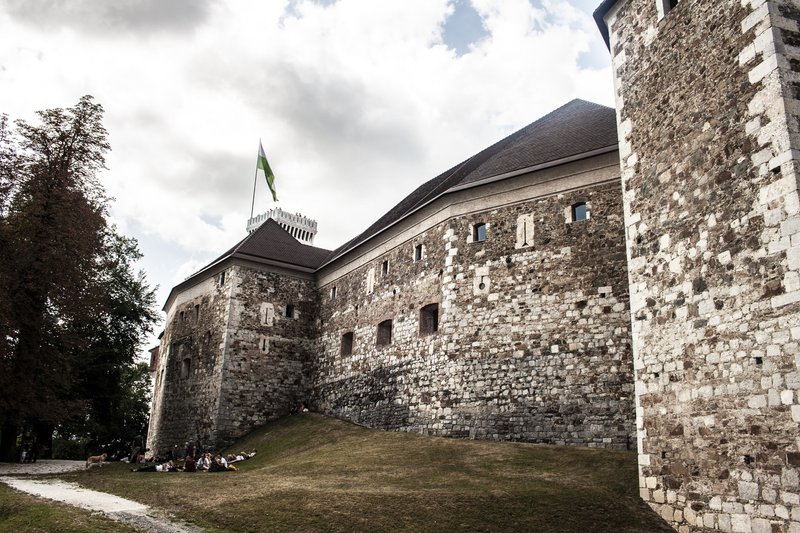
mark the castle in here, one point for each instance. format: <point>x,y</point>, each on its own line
<point>617,278</point>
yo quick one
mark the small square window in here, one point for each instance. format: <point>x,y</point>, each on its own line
<point>347,343</point>
<point>579,212</point>
<point>385,267</point>
<point>384,333</point>
<point>479,232</point>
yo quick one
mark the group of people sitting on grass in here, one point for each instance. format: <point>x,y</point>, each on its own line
<point>204,462</point>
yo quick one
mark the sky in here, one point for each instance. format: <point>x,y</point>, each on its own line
<point>356,102</point>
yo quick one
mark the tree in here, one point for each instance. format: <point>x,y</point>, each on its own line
<point>71,301</point>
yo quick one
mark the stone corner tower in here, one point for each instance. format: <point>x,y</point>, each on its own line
<point>707,112</point>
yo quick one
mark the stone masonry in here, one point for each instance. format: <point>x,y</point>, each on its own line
<point>707,118</point>
<point>533,336</point>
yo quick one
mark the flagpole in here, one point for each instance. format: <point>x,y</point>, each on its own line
<point>255,180</point>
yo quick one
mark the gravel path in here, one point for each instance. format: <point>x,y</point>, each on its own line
<point>116,508</point>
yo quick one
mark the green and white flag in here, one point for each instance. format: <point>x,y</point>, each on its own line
<point>264,165</point>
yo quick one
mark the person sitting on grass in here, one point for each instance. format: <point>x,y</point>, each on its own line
<point>219,464</point>
<point>169,466</point>
<point>190,465</point>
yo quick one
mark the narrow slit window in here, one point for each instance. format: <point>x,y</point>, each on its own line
<point>385,267</point>
<point>384,333</point>
<point>347,343</point>
<point>429,319</point>
<point>419,252</point>
<point>289,311</point>
<point>579,212</point>
<point>196,314</point>
<point>479,232</point>
<point>333,292</point>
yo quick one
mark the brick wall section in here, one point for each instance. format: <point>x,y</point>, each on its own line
<point>540,353</point>
<point>266,362</point>
<point>711,212</point>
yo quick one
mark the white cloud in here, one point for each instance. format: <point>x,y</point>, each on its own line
<point>357,103</point>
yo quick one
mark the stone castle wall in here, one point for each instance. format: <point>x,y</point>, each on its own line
<point>711,211</point>
<point>533,326</point>
<point>247,361</point>
<point>268,346</point>
<point>185,404</point>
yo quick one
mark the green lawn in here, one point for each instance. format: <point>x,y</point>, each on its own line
<point>21,513</point>
<point>315,473</point>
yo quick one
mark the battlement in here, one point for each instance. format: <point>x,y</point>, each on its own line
<point>300,227</point>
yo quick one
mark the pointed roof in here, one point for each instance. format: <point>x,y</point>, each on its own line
<point>575,130</point>
<point>271,241</point>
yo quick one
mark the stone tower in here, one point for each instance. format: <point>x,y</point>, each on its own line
<point>707,113</point>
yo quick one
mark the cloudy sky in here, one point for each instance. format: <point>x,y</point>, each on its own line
<point>357,102</point>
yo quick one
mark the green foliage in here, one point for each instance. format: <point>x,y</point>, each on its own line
<point>73,312</point>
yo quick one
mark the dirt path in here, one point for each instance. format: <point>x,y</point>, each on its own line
<point>116,508</point>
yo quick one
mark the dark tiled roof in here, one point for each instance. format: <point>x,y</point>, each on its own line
<point>578,127</point>
<point>271,241</point>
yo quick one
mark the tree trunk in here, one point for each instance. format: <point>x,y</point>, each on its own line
<point>8,442</point>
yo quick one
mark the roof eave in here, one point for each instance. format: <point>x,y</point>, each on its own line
<point>499,177</point>
<point>599,18</point>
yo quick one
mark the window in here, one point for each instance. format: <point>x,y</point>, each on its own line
<point>479,232</point>
<point>419,252</point>
<point>429,319</point>
<point>579,212</point>
<point>196,314</point>
<point>333,292</point>
<point>347,343</point>
<point>263,344</point>
<point>665,6</point>
<point>385,267</point>
<point>384,333</point>
<point>289,311</point>
<point>370,281</point>
<point>222,279</point>
<point>182,317</point>
<point>186,367</point>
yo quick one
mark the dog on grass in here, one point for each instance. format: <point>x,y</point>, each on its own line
<point>95,460</point>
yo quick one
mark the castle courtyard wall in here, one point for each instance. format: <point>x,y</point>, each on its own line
<point>708,132</point>
<point>533,339</point>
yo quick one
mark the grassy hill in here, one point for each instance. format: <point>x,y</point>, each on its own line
<point>314,473</point>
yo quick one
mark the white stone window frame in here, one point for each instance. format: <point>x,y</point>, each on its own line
<point>474,232</point>
<point>664,7</point>
<point>569,212</point>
